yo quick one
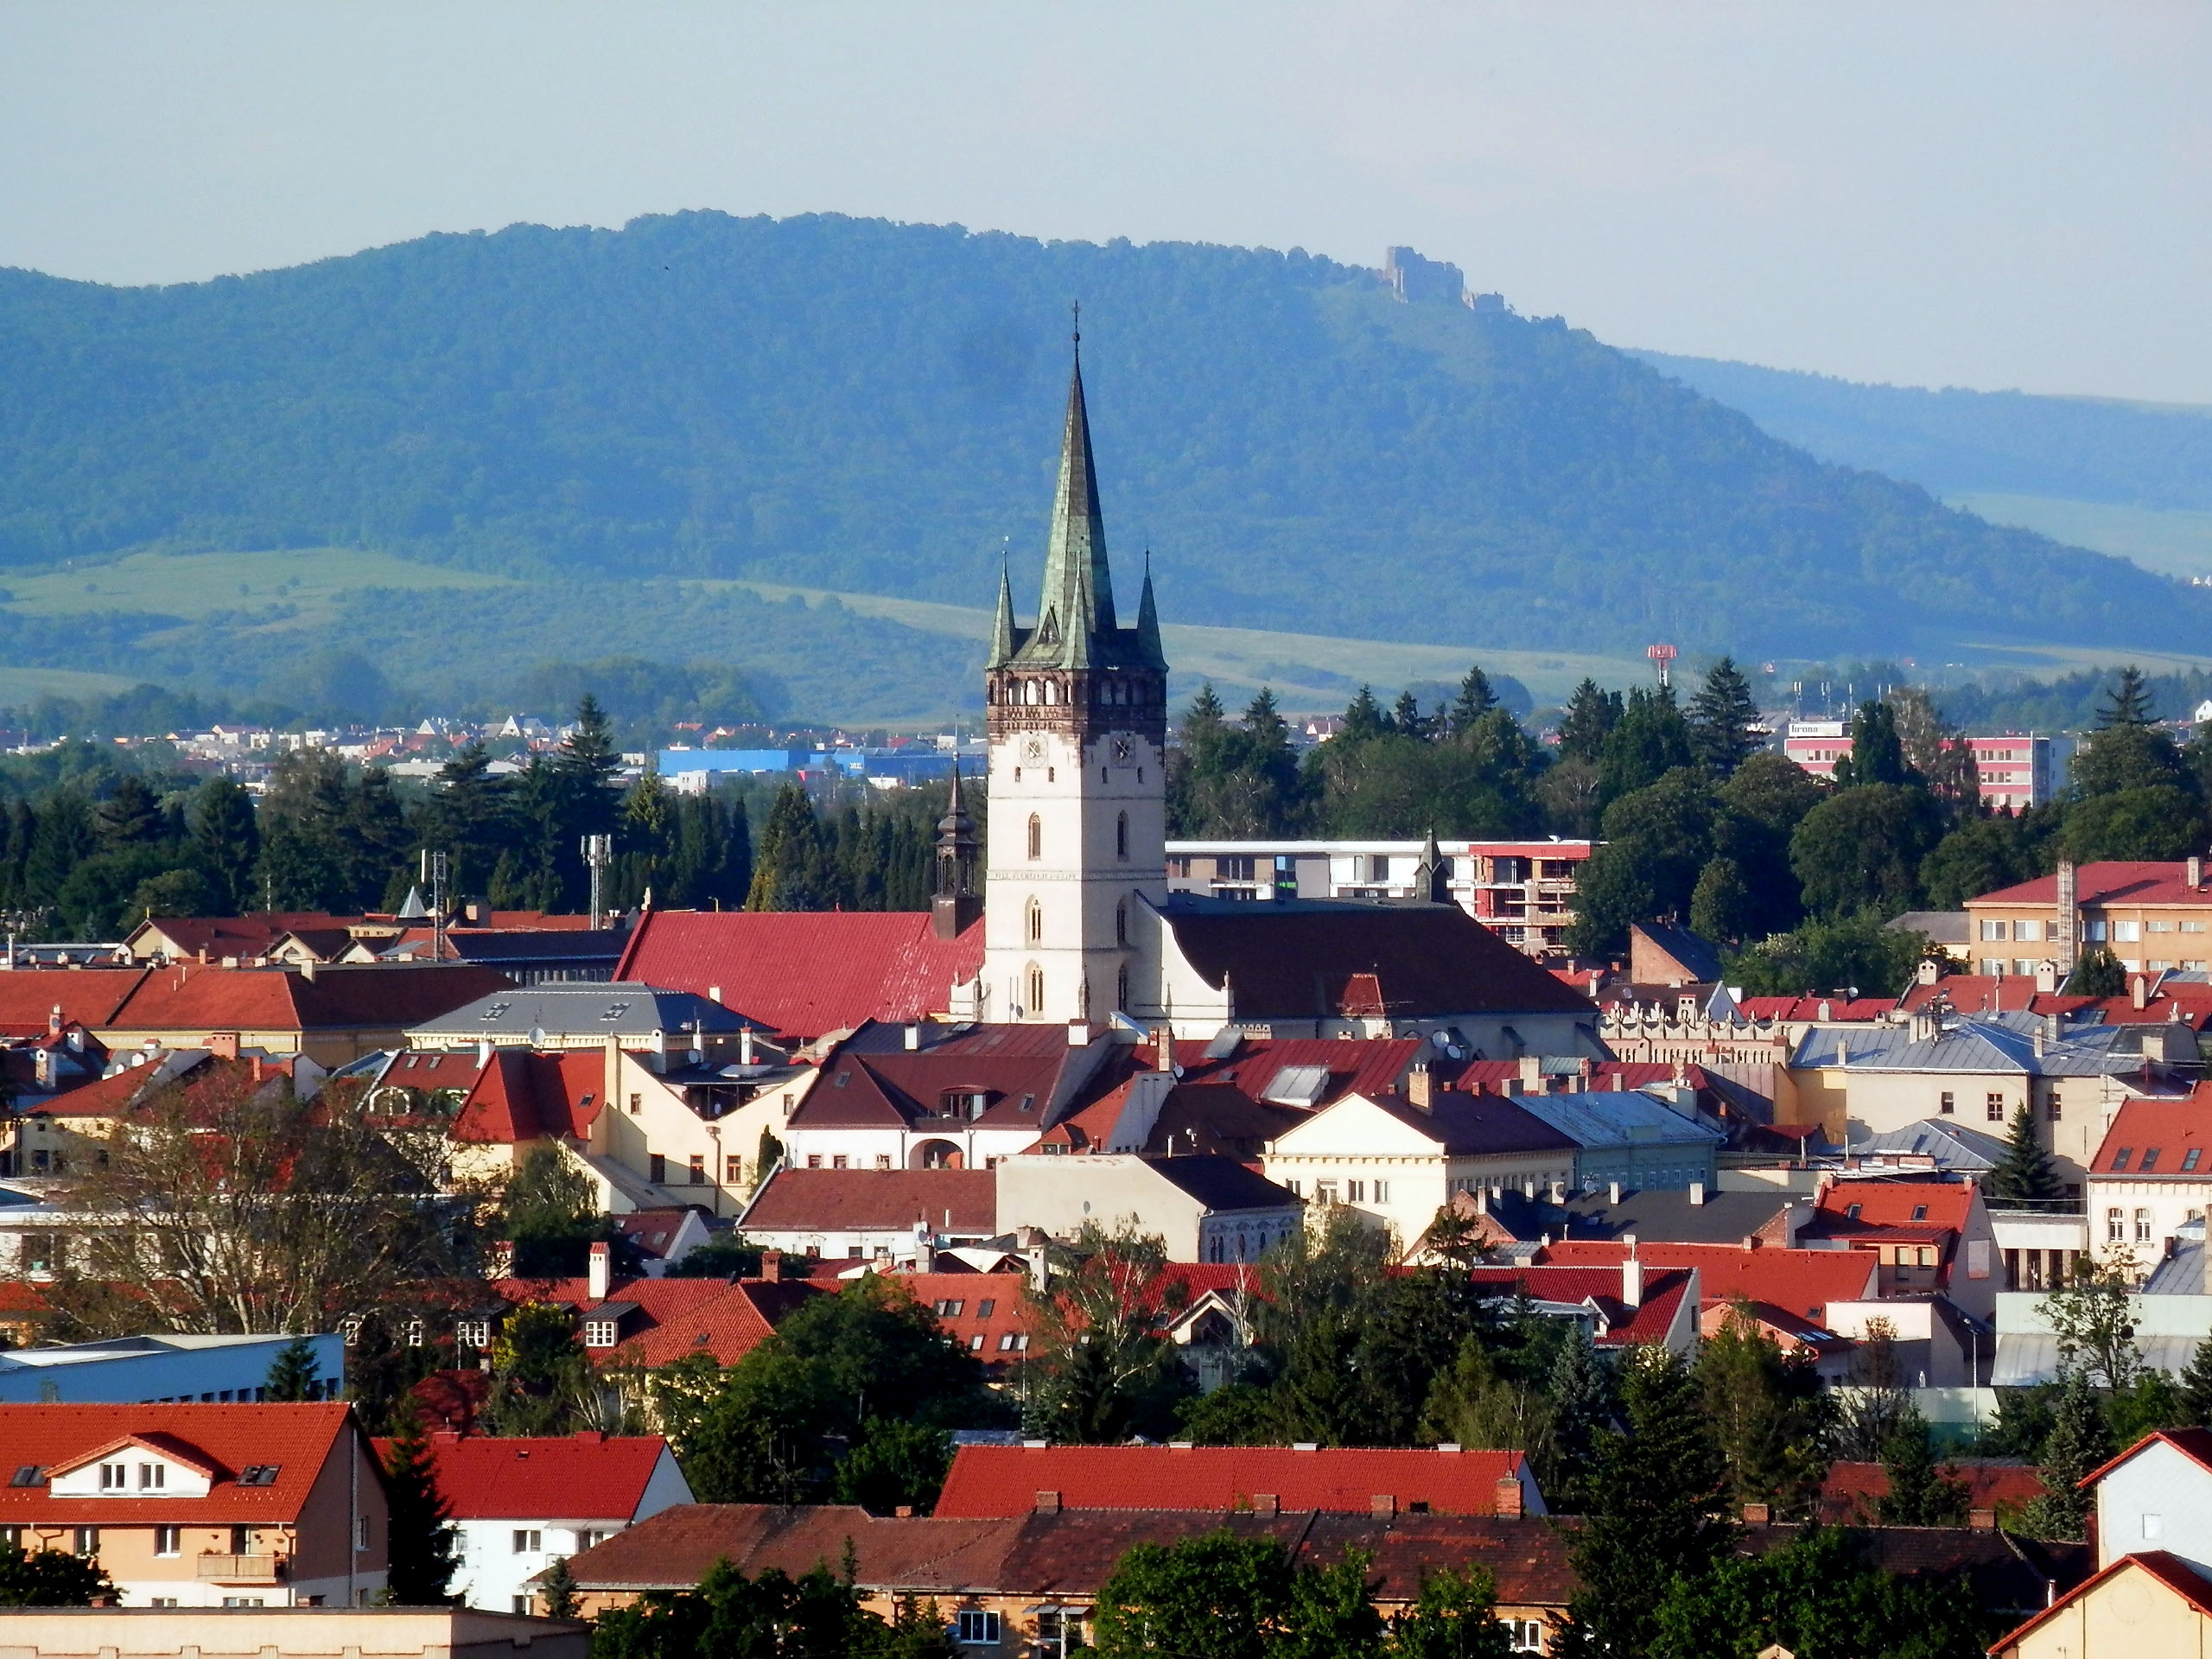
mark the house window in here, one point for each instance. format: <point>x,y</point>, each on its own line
<point>2120,1159</point>
<point>1122,923</point>
<point>636,1104</point>
<point>86,1540</point>
<point>977,1626</point>
<point>360,1535</point>
<point>1355,1192</point>
<point>985,1308</point>
<point>1381,1191</point>
<point>2053,1109</point>
<point>733,1169</point>
<point>1121,988</point>
<point>976,1343</point>
<point>655,1167</point>
<point>528,1541</point>
<point>1995,1106</point>
<point>1036,837</point>
<point>1992,930</point>
<point>521,1604</point>
<point>2115,1227</point>
<point>1032,921</point>
<point>112,1478</point>
<point>698,1164</point>
<point>1524,1635</point>
<point>253,1601</point>
<point>590,1537</point>
<point>1324,1192</point>
<point>1950,1103</point>
<point>2189,1160</point>
<point>883,1161</point>
<point>473,1333</point>
<point>153,1477</point>
<point>599,1333</point>
<point>814,1161</point>
<point>2128,932</point>
<point>949,1309</point>
<point>2142,1226</point>
<point>1036,987</point>
<point>2027,932</point>
<point>1013,1342</point>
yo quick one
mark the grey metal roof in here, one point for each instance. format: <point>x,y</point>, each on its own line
<point>1990,1042</point>
<point>617,1009</point>
<point>1604,1118</point>
<point>1665,1217</point>
<point>1954,1146</point>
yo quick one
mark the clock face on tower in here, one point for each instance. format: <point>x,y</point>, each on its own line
<point>1122,748</point>
<point>1033,750</point>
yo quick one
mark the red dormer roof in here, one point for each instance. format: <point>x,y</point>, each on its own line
<point>987,1314</point>
<point>296,1440</point>
<point>1825,1010</point>
<point>588,1476</point>
<point>1991,994</point>
<point>2178,1131</point>
<point>805,973</point>
<point>1912,1208</point>
<point>989,1482</point>
<point>520,1096</point>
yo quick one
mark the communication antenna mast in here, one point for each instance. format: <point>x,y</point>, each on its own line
<point>599,852</point>
<point>434,878</point>
<point>1662,657</point>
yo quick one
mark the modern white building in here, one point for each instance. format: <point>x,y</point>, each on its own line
<point>163,1367</point>
<point>521,1503</point>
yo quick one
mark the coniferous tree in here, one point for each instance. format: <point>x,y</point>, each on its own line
<point>292,1375</point>
<point>1195,763</point>
<point>129,818</point>
<point>2129,703</point>
<point>1591,715</point>
<point>556,1590</point>
<point>2080,1439</point>
<point>378,840</point>
<point>226,840</point>
<point>1923,1493</point>
<point>1581,1389</point>
<point>1364,719</point>
<point>424,1543</point>
<point>471,818</point>
<point>792,869</point>
<point>1721,717</point>
<point>1768,1412</point>
<point>1476,699</point>
<point>1877,753</point>
<point>1651,741</point>
<point>2024,1175</point>
<point>1406,719</point>
<point>303,853</point>
<point>2193,1400</point>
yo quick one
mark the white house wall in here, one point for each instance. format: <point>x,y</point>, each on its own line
<point>2159,1499</point>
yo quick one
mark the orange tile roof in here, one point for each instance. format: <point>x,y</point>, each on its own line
<point>805,973</point>
<point>586,1477</point>
<point>988,1481</point>
<point>298,1438</point>
<point>986,1313</point>
<point>2173,1129</point>
<point>1646,1323</point>
<point>187,997</point>
<point>842,1200</point>
<point>2108,882</point>
<point>1800,1283</point>
<point>88,997</point>
<point>675,1316</point>
<point>1853,1489</point>
<point>522,1096</point>
<point>1944,1204</point>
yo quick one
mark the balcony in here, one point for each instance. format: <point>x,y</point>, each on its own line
<point>242,1569</point>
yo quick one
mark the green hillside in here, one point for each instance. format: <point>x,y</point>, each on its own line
<point>859,407</point>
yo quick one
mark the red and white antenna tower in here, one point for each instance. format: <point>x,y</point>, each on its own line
<point>1662,657</point>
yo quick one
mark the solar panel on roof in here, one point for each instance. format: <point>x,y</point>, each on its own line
<point>1298,1085</point>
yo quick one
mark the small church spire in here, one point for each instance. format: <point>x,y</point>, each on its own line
<point>1154,653</point>
<point>1076,613</point>
<point>1430,881</point>
<point>1005,638</point>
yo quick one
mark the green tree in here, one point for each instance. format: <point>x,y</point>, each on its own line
<point>557,1596</point>
<point>1980,856</point>
<point>2080,1439</point>
<point>131,817</point>
<point>1454,1615</point>
<point>1769,1415</point>
<point>379,842</point>
<point>1861,849</point>
<point>1722,717</point>
<point>1721,906</point>
<point>1657,1512</point>
<point>2130,702</point>
<point>2193,1403</point>
<point>304,858</point>
<point>792,868</point>
<point>1877,751</point>
<point>1476,699</point>
<point>895,1464</point>
<point>1101,1370</point>
<point>2092,1317</point>
<point>540,1377</point>
<point>293,1375</point>
<point>471,817</point>
<point>1470,1404</point>
<point>2097,972</point>
<point>2155,822</point>
<point>1589,720</point>
<point>1582,1398</point>
<point>425,1546</point>
<point>1651,741</point>
<point>549,1214</point>
<point>1658,842</point>
<point>1923,1493</point>
<point>2023,1176</point>
<point>1212,1597</point>
<point>816,1616</point>
<point>50,1578</point>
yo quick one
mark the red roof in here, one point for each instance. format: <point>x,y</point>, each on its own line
<point>990,1481</point>
<point>2113,882</point>
<point>1797,1010</point>
<point>672,1317</point>
<point>189,997</point>
<point>1800,1283</point>
<point>297,1439</point>
<point>2195,1444</point>
<point>588,1476</point>
<point>521,1096</point>
<point>1940,1207</point>
<point>2168,1568</point>
<point>1853,1489</point>
<point>805,973</point>
<point>987,1314</point>
<point>89,997</point>
<point>887,1200</point>
<point>2178,1131</point>
<point>1991,994</point>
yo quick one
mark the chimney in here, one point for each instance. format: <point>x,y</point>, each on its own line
<point>1928,973</point>
<point>2068,922</point>
<point>54,1020</point>
<point>1266,1504</point>
<point>1418,1084</point>
<point>223,1044</point>
<point>1757,1515</point>
<point>601,1270</point>
<point>912,1038</point>
<point>2139,990</point>
<point>2046,977</point>
<point>2196,872</point>
<point>256,1068</point>
<point>306,970</point>
<point>1632,1279</point>
<point>1079,1034</point>
<point>1532,1072</point>
<point>771,1266</point>
<point>1508,1500</point>
<point>1048,1503</point>
<point>1383,1506</point>
<point>713,993</point>
<point>483,1053</point>
<point>1613,1193</point>
<point>1697,1193</point>
<point>1982,1520</point>
<point>743,1045</point>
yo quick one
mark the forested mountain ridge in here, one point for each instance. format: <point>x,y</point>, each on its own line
<point>863,406</point>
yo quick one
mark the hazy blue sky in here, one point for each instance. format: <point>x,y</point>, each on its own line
<point>1985,195</point>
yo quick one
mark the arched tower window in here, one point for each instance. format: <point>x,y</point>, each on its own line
<point>1121,922</point>
<point>1033,985</point>
<point>1036,837</point>
<point>1122,835</point>
<point>1121,990</point>
<point>1032,921</point>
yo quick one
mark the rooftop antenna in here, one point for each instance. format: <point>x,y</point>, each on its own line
<point>599,852</point>
<point>433,877</point>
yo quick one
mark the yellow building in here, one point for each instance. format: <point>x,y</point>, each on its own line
<point>2151,1603</point>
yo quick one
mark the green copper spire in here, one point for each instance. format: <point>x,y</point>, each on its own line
<point>1006,638</point>
<point>1075,615</point>
<point>1151,651</point>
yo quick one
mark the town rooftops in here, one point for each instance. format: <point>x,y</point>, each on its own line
<point>1599,1121</point>
<point>1952,1147</point>
<point>1306,959</point>
<point>2195,1444</point>
<point>186,996</point>
<point>85,996</point>
<point>2165,1140</point>
<point>963,1201</point>
<point>585,1476</point>
<point>1852,1490</point>
<point>1005,1480</point>
<point>1222,1184</point>
<point>1932,1206</point>
<point>806,972</point>
<point>985,1077</point>
<point>629,1011</point>
<point>517,1096</point>
<point>1620,1324</point>
<point>1476,1126</point>
<point>1799,1283</point>
<point>1669,1216</point>
<point>658,1321</point>
<point>2103,884</point>
<point>261,1460</point>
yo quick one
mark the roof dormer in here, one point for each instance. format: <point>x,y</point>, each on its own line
<point>138,1466</point>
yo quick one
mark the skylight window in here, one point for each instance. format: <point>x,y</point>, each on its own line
<point>1851,1212</point>
<point>615,1011</point>
<point>29,1474</point>
<point>2149,1160</point>
<point>1298,1085</point>
<point>2119,1158</point>
<point>497,1011</point>
<point>2189,1160</point>
<point>259,1474</point>
<point>1920,1212</point>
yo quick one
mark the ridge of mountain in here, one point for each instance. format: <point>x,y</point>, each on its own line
<point>855,406</point>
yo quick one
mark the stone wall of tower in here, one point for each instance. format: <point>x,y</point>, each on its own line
<point>1076,860</point>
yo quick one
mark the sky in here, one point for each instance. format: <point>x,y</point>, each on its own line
<point>2004,195</point>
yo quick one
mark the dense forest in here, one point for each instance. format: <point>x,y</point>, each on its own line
<point>2089,449</point>
<point>861,406</point>
<point>92,842</point>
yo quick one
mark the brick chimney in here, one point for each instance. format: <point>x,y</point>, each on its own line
<point>1507,1502</point>
<point>2139,990</point>
<point>771,1266</point>
<point>1383,1506</point>
<point>1982,1520</point>
<point>1418,1085</point>
<point>601,1272</point>
<point>1757,1515</point>
<point>2196,872</point>
<point>223,1044</point>
<point>1048,1503</point>
<point>1266,1504</point>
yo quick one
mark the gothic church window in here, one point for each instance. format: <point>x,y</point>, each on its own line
<point>1121,989</point>
<point>1122,835</point>
<point>1034,921</point>
<point>1036,837</point>
<point>1121,922</point>
<point>1036,987</point>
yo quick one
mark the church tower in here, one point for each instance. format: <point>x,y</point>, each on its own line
<point>1076,845</point>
